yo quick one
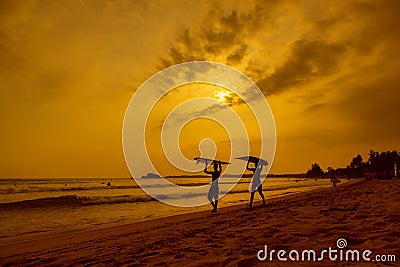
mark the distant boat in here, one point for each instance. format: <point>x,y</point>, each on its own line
<point>151,175</point>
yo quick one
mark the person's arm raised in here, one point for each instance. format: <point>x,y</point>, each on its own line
<point>250,169</point>
<point>205,170</point>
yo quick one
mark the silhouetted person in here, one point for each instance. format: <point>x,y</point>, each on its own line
<point>333,181</point>
<point>213,192</point>
<point>255,182</point>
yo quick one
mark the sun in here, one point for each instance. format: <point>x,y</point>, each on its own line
<point>223,97</point>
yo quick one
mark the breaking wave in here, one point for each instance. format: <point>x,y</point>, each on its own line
<point>73,200</point>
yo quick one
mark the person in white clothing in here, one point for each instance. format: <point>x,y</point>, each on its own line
<point>256,181</point>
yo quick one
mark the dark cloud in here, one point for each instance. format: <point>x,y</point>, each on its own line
<point>207,111</point>
<point>9,59</point>
<point>237,56</point>
<point>314,107</point>
<point>363,24</point>
<point>221,34</point>
<point>307,60</point>
<point>227,38</point>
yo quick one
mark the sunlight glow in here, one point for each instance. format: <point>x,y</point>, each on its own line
<point>223,97</point>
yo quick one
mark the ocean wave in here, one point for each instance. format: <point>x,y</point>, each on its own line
<point>73,200</point>
<point>37,189</point>
<point>33,189</point>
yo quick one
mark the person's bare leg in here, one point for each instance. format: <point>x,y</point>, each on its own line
<point>251,199</point>
<point>259,189</point>
<point>215,205</point>
<point>210,198</point>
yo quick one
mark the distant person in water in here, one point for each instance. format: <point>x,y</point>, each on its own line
<point>255,182</point>
<point>213,192</point>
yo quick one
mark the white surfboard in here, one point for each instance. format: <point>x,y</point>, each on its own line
<point>209,161</point>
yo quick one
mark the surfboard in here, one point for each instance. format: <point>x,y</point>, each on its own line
<point>209,161</point>
<point>253,159</point>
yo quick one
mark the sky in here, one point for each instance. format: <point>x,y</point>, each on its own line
<point>328,69</point>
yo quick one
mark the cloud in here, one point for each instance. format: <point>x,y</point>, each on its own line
<point>236,56</point>
<point>307,60</point>
<point>324,40</point>
<point>222,36</point>
<point>234,39</point>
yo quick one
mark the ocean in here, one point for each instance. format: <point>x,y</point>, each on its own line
<point>35,208</point>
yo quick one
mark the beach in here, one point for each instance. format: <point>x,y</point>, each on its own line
<point>365,214</point>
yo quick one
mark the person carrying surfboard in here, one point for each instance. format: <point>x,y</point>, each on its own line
<point>213,192</point>
<point>255,182</point>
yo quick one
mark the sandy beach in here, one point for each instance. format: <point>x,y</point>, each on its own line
<point>366,214</point>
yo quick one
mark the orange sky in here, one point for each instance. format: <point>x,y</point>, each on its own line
<point>329,70</point>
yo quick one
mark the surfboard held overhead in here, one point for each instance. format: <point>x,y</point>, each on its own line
<point>253,159</point>
<point>209,161</point>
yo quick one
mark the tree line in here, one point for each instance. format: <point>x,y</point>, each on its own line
<point>380,165</point>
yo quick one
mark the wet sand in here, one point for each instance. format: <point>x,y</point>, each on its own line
<point>366,214</point>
